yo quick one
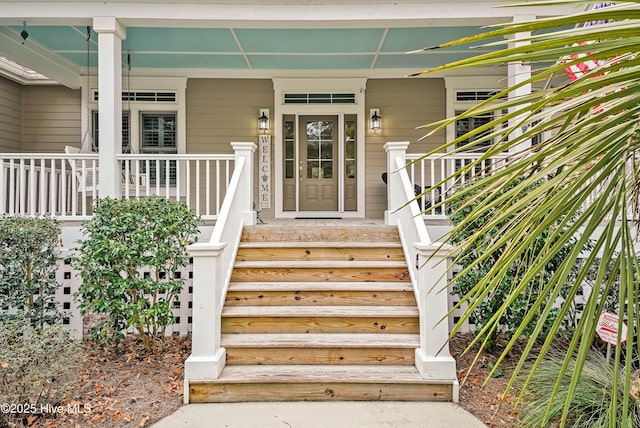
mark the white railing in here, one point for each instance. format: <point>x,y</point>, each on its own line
<point>212,267</point>
<point>429,176</point>
<point>199,180</point>
<point>65,185</point>
<point>43,184</point>
<point>427,264</point>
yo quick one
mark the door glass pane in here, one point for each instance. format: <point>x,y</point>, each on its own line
<point>350,148</point>
<point>289,148</point>
<point>319,149</point>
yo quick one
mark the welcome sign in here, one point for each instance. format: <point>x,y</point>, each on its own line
<point>264,171</point>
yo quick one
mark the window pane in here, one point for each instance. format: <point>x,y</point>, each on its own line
<point>469,124</point>
<point>326,150</point>
<point>288,169</point>
<point>125,132</point>
<point>289,148</point>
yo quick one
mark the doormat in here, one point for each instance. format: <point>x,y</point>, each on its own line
<point>318,218</point>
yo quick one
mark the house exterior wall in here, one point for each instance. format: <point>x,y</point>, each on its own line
<point>220,111</point>
<point>51,118</point>
<point>404,105</point>
<point>10,116</point>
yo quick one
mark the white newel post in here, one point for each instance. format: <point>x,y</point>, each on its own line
<point>110,36</point>
<point>245,188</point>
<point>207,358</point>
<point>394,195</point>
<point>433,359</point>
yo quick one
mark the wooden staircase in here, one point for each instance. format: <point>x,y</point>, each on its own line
<point>320,314</point>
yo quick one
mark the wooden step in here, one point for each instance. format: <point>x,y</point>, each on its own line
<point>374,233</point>
<point>320,293</point>
<point>390,349</point>
<point>343,251</point>
<point>318,382</point>
<point>320,319</point>
<point>307,270</point>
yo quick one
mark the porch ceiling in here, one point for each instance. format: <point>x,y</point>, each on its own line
<point>258,48</point>
<point>250,38</point>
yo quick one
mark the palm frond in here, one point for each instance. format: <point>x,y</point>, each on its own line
<point>587,175</point>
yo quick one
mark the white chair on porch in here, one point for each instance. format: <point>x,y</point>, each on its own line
<point>86,183</point>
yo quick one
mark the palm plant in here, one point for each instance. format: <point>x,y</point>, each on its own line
<point>588,174</point>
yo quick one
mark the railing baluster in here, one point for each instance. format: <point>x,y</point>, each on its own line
<point>188,186</point>
<point>218,185</point>
<point>3,188</point>
<point>208,187</point>
<point>42,188</point>
<point>83,200</point>
<point>127,174</point>
<point>197,187</point>
<point>53,197</point>
<point>23,186</point>
<point>178,175</point>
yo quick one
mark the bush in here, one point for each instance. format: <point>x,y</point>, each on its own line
<point>590,404</point>
<point>37,366</point>
<point>27,270</point>
<point>123,239</point>
<point>465,282</point>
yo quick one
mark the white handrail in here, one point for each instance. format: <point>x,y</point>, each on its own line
<point>410,223</point>
<point>228,228</point>
<point>427,265</point>
<point>212,268</point>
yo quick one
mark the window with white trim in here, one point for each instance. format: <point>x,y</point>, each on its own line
<point>158,136</point>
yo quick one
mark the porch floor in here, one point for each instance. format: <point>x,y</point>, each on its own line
<point>321,222</point>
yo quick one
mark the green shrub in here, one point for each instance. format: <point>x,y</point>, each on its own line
<point>124,239</point>
<point>590,404</point>
<point>466,281</point>
<point>37,366</point>
<point>27,270</point>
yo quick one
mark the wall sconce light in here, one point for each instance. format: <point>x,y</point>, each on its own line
<point>263,120</point>
<point>24,34</point>
<point>375,119</point>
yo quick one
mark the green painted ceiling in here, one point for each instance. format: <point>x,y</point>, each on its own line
<point>294,49</point>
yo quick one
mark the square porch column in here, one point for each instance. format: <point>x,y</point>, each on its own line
<point>110,36</point>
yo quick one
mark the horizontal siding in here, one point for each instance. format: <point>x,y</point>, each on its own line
<point>404,105</point>
<point>220,111</point>
<point>51,118</point>
<point>10,116</point>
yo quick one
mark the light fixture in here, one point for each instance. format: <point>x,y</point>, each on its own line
<point>24,34</point>
<point>375,119</point>
<point>263,120</point>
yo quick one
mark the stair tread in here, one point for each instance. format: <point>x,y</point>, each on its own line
<point>319,244</point>
<point>320,264</point>
<point>320,286</point>
<point>320,373</point>
<point>321,340</point>
<point>320,311</point>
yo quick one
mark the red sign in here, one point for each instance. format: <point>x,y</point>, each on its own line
<point>607,328</point>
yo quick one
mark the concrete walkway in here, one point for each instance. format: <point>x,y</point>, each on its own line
<point>321,415</point>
